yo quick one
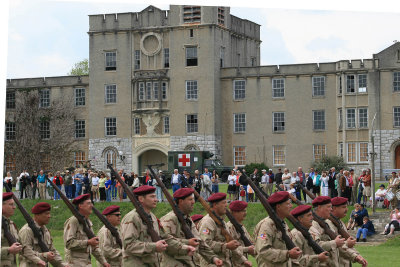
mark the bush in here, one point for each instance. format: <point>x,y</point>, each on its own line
<point>328,162</point>
<point>250,167</point>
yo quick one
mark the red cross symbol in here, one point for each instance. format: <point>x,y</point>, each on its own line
<point>184,160</point>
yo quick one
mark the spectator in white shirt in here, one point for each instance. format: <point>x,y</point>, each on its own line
<point>286,177</point>
<point>8,180</point>
<point>95,186</point>
<point>380,193</point>
<point>231,185</point>
<point>264,180</point>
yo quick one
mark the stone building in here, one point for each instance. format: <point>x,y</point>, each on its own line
<point>190,78</point>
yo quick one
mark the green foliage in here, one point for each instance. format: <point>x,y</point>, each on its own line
<point>250,167</point>
<point>328,162</point>
<point>80,68</point>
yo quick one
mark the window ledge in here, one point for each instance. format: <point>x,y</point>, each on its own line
<point>109,104</point>
<point>318,131</point>
<point>239,132</point>
<point>278,98</point>
<point>239,100</point>
<point>278,132</point>
<point>318,96</point>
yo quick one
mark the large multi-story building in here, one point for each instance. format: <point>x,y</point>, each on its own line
<point>189,78</point>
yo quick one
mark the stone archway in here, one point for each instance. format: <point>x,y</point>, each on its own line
<point>149,153</point>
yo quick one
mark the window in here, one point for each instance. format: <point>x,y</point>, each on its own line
<point>340,118</point>
<point>141,91</point>
<point>191,90</point>
<point>278,121</point>
<point>221,56</point>
<point>191,14</point>
<point>278,155</point>
<point>44,130</point>
<point>111,60</point>
<point>318,86</point>
<point>148,90</point>
<point>340,84</point>
<point>396,116</point>
<point>341,150</point>
<point>239,155</point>
<point>80,97</point>
<point>191,33</point>
<point>79,159</point>
<point>239,121</point>
<point>10,163</point>
<point>351,118</point>
<point>253,61</point>
<point>10,99</point>
<point>278,88</point>
<point>111,126</point>
<point>111,158</point>
<point>363,118</point>
<point>239,89</point>
<point>363,153</point>
<point>319,151</point>
<point>164,90</point>
<point>191,123</point>
<point>45,161</point>
<point>351,153</point>
<point>166,124</point>
<point>221,16</point>
<point>10,131</point>
<point>362,83</point>
<point>111,93</point>
<point>44,98</point>
<point>191,56</point>
<point>166,57</point>
<point>396,81</point>
<point>350,84</point>
<point>319,120</point>
<point>80,127</point>
<point>156,90</point>
<point>137,60</point>
<point>137,125</point>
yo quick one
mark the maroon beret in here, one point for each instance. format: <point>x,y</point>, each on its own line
<point>338,201</point>
<point>237,205</point>
<point>144,190</point>
<point>183,192</point>
<point>217,197</point>
<point>196,217</point>
<point>7,196</point>
<point>110,209</point>
<point>80,199</point>
<point>300,210</point>
<point>41,207</point>
<point>278,197</point>
<point>321,200</point>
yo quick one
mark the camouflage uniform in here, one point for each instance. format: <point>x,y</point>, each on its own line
<point>77,250</point>
<point>318,234</point>
<point>270,248</point>
<point>31,252</point>
<point>346,254</point>
<point>172,226</point>
<point>138,248</point>
<point>308,257</point>
<point>109,247</point>
<point>242,252</point>
<point>8,259</point>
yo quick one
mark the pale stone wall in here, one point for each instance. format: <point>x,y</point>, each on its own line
<point>386,142</point>
<point>96,149</point>
<point>204,142</point>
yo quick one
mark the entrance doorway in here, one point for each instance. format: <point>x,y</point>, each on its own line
<point>397,157</point>
<point>152,156</point>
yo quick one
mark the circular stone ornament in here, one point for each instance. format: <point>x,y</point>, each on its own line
<point>150,43</point>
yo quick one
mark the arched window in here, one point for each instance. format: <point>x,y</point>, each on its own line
<point>191,147</point>
<point>111,158</point>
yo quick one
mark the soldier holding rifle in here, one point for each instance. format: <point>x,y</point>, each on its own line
<point>31,253</point>
<point>9,233</point>
<point>185,202</point>
<point>78,245</point>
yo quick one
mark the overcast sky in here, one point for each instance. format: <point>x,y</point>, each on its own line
<point>46,38</point>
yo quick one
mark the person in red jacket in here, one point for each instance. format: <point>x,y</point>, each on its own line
<point>58,181</point>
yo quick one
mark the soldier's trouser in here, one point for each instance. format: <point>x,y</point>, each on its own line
<point>42,190</point>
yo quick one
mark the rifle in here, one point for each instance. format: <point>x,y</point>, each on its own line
<point>81,219</point>
<point>109,226</point>
<point>278,222</point>
<point>184,226</point>
<point>334,219</point>
<point>146,218</point>
<point>218,220</point>
<point>36,231</point>
<point>10,238</point>
<point>237,225</point>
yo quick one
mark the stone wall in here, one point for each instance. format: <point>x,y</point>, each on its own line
<point>204,142</point>
<point>385,143</point>
<point>96,149</point>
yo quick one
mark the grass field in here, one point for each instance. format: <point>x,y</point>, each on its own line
<point>381,255</point>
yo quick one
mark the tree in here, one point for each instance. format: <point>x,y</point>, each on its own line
<point>328,162</point>
<point>80,68</point>
<point>250,167</point>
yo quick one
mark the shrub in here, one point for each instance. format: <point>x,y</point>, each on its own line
<point>250,167</point>
<point>328,162</point>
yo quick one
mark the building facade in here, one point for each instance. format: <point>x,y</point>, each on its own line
<point>190,78</point>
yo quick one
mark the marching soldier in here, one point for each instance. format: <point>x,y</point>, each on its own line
<point>108,244</point>
<point>347,253</point>
<point>211,233</point>
<point>270,248</point>
<point>31,253</point>
<point>322,208</point>
<point>8,253</point>
<point>78,248</point>
<point>185,201</point>
<point>138,248</point>
<point>303,214</point>
<point>238,209</point>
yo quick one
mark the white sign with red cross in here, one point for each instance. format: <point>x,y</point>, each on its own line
<point>184,160</point>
